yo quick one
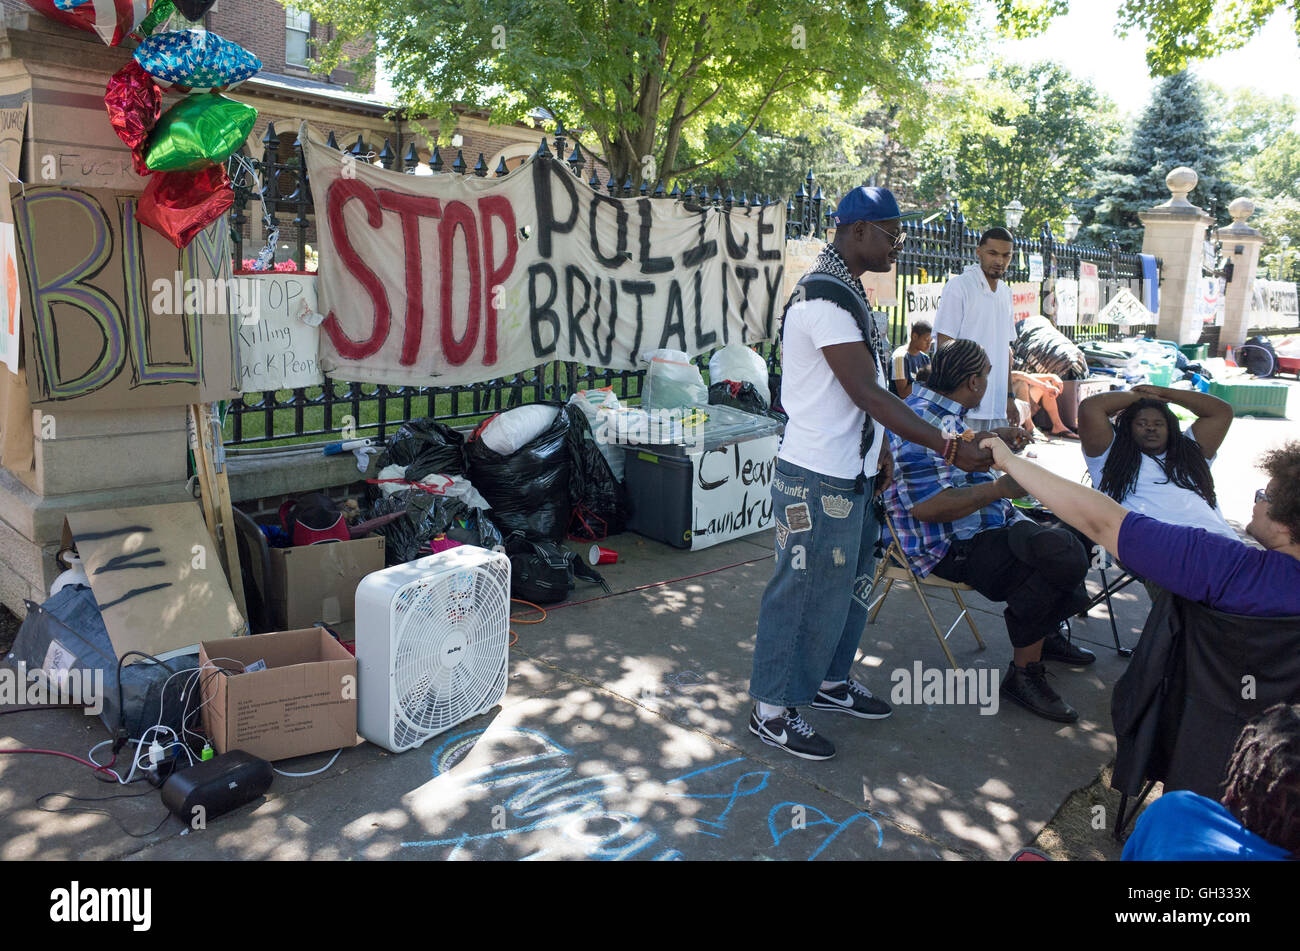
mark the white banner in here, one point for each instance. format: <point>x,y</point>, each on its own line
<point>278,334</point>
<point>1067,302</point>
<point>452,279</point>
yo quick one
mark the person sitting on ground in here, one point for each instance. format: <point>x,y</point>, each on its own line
<point>911,358</point>
<point>1147,464</point>
<point>1039,391</point>
<point>1259,815</point>
<point>962,527</point>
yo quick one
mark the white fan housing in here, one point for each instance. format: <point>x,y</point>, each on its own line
<point>432,642</point>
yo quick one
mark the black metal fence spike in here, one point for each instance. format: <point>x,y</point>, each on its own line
<point>435,158</point>
<point>501,167</point>
<point>594,181</point>
<point>458,164</point>
<point>411,158</point>
<point>659,189</point>
<point>677,190</point>
<point>359,147</point>
<point>331,142</point>
<point>480,167</point>
<point>542,149</point>
<point>387,155</point>
<point>645,188</point>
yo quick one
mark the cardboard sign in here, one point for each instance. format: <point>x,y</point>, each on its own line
<point>1125,309</point>
<point>923,301</point>
<point>156,576</point>
<point>733,491</point>
<point>278,348</point>
<point>1210,300</point>
<point>1089,290</point>
<point>114,315</point>
<point>881,288</point>
<point>10,306</point>
<point>13,125</point>
<point>450,279</point>
<point>1067,302</point>
<point>1036,268</point>
<point>1024,301</point>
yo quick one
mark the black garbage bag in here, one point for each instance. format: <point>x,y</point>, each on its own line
<point>425,516</point>
<point>1041,348</point>
<point>1258,356</point>
<point>742,396</point>
<point>423,446</point>
<point>529,488</point>
<point>598,500</point>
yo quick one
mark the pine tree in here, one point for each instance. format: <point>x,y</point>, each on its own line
<point>1174,130</point>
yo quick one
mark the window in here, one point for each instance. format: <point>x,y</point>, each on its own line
<point>297,28</point>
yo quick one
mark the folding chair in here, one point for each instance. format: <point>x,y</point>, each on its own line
<point>894,566</point>
<point>1108,588</point>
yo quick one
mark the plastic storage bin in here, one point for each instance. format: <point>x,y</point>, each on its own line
<point>1160,376</point>
<point>1258,398</point>
<point>1075,392</point>
<point>1196,352</point>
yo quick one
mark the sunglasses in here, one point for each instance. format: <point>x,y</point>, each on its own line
<point>899,239</point>
<point>1261,495</point>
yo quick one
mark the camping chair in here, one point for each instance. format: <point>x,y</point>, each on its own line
<point>894,566</point>
<point>1109,588</point>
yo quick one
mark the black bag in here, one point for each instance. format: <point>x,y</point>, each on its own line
<point>1258,356</point>
<point>426,516</point>
<point>529,488</point>
<point>544,572</point>
<point>599,500</point>
<point>423,446</point>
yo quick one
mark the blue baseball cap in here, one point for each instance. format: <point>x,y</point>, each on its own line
<point>869,203</point>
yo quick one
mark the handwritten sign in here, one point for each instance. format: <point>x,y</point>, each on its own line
<point>1210,300</point>
<point>1035,268</point>
<point>114,314</point>
<point>10,308</point>
<point>1089,290</point>
<point>733,491</point>
<point>277,342</point>
<point>452,279</point>
<point>13,123</point>
<point>1024,301</point>
<point>923,301</point>
<point>1067,302</point>
<point>881,288</point>
<point>1125,309</point>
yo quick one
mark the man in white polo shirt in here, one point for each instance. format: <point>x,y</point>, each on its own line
<point>977,306</point>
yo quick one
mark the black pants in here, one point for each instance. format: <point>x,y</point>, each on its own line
<point>1038,571</point>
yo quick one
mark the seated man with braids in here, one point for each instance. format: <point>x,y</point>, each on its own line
<point>1147,464</point>
<point>961,527</point>
<point>1258,816</point>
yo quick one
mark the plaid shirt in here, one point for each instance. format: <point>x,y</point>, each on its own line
<point>920,475</point>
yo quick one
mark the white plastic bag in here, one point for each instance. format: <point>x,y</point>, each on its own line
<point>737,362</point>
<point>672,381</point>
<point>601,408</point>
<point>514,428</point>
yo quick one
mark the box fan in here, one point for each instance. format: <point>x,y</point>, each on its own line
<point>432,641</point>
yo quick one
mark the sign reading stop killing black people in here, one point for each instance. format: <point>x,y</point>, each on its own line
<point>448,279</point>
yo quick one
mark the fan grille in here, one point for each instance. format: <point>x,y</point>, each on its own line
<point>449,663</point>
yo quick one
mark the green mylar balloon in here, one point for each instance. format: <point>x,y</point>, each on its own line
<point>158,15</point>
<point>200,130</point>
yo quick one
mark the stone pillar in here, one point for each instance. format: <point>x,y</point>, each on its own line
<point>1241,245</point>
<point>1175,232</point>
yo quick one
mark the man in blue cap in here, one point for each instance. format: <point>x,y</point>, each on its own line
<point>833,459</point>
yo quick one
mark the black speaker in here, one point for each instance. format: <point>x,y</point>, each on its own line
<point>216,786</point>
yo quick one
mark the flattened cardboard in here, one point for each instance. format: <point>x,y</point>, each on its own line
<point>303,702</point>
<point>313,583</point>
<point>156,575</point>
<point>114,316</point>
<point>17,437</point>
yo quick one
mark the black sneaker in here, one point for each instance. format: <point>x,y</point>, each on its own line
<point>1028,687</point>
<point>1057,646</point>
<point>792,733</point>
<point>854,699</point>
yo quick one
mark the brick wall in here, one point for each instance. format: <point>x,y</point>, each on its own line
<point>259,27</point>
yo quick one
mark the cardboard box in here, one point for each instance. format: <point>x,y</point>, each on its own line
<point>305,701</point>
<point>313,583</point>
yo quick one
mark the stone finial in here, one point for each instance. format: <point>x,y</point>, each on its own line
<point>1241,209</point>
<point>1180,183</point>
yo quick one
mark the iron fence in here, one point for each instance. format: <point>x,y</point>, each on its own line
<point>278,183</point>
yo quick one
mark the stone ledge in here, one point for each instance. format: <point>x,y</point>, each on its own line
<point>40,517</point>
<point>292,472</point>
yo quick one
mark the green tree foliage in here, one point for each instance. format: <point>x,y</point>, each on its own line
<point>1179,31</point>
<point>1277,168</point>
<point>1251,123</point>
<point>1041,148</point>
<point>1278,217</point>
<point>649,82</point>
<point>1174,130</point>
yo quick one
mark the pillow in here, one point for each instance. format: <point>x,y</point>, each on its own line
<point>113,20</point>
<point>195,60</point>
<point>200,130</point>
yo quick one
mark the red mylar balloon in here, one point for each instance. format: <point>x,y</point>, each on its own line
<point>134,103</point>
<point>178,205</point>
<point>113,20</point>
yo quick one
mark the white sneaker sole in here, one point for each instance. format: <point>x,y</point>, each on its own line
<point>860,714</point>
<point>779,746</point>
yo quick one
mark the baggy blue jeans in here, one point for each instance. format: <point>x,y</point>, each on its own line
<point>814,609</point>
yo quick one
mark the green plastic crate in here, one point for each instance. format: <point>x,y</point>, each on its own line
<point>1160,376</point>
<point>1195,352</point>
<point>1258,398</point>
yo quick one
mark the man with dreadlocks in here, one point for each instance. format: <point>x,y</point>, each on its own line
<point>833,386</point>
<point>963,528</point>
<point>1146,463</point>
<point>1259,815</point>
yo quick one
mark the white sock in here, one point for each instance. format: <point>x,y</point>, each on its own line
<point>768,710</point>
<point>832,684</point>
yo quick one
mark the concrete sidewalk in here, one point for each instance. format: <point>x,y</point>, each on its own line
<point>623,735</point>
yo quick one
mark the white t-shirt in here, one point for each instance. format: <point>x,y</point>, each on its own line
<point>1157,497</point>
<point>825,426</point>
<point>969,310</point>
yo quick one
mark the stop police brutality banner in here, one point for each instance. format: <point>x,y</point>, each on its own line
<point>450,279</point>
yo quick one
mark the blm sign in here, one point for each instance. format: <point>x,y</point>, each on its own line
<point>450,279</point>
